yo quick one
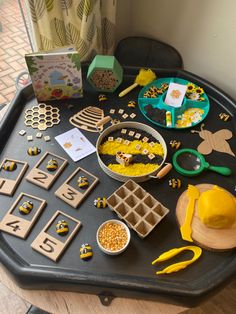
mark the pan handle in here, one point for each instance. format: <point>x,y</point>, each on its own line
<point>102,122</point>
<point>166,169</point>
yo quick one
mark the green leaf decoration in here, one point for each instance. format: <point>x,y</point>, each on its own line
<point>99,37</point>
<point>82,48</point>
<point>108,29</point>
<point>49,5</point>
<point>37,9</point>
<point>72,34</point>
<point>31,64</point>
<point>66,4</point>
<point>58,32</point>
<point>76,60</point>
<point>85,8</point>
<point>88,8</point>
<point>80,9</point>
<point>91,29</point>
<point>46,43</point>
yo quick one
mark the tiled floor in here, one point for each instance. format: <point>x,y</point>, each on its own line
<point>14,44</point>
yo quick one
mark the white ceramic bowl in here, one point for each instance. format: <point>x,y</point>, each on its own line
<point>128,236</point>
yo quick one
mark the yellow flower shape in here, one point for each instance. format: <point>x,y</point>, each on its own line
<point>190,87</point>
<point>199,90</point>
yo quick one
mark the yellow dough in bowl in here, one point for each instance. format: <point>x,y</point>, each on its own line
<point>217,208</point>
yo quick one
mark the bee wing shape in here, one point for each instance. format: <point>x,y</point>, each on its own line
<point>219,141</point>
<point>205,147</point>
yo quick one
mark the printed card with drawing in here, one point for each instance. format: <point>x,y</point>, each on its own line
<point>175,95</point>
<point>76,145</point>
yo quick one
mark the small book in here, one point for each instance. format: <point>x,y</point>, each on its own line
<point>55,74</point>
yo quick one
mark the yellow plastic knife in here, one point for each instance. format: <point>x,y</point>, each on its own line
<point>186,230</point>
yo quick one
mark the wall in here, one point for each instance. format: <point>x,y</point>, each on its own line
<point>202,31</point>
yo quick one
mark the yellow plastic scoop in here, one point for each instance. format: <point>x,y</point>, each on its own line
<point>144,77</point>
<point>177,266</point>
<point>185,229</point>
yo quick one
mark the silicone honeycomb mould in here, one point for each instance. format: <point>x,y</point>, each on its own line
<point>105,73</point>
<point>42,117</point>
<point>140,210</point>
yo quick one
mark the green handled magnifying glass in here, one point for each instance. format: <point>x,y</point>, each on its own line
<point>190,162</point>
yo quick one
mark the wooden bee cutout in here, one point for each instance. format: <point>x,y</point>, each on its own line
<point>214,141</point>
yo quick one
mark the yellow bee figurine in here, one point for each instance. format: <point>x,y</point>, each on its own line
<point>86,252</point>
<point>33,151</point>
<point>224,116</point>
<point>62,228</point>
<point>132,104</point>
<point>26,207</point>
<point>100,202</point>
<point>52,165</point>
<point>175,144</point>
<point>175,183</point>
<point>83,182</point>
<point>102,97</point>
<point>9,166</point>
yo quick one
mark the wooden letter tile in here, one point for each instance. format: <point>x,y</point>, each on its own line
<point>15,223</point>
<point>44,178</point>
<point>50,246</point>
<point>7,185</point>
<point>72,195</point>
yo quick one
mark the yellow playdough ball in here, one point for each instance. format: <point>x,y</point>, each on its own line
<point>217,208</point>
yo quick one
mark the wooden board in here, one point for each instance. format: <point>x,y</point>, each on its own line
<point>51,246</point>
<point>72,195</point>
<point>42,178</point>
<point>208,238</point>
<point>8,186</point>
<point>20,226</point>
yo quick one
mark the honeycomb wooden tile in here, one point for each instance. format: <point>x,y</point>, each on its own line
<point>139,209</point>
<point>87,119</point>
<point>42,117</point>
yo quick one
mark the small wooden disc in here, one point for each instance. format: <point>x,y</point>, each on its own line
<point>208,238</point>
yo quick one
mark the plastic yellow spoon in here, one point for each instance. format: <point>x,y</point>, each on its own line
<point>185,229</point>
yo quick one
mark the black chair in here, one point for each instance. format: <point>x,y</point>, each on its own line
<point>148,53</point>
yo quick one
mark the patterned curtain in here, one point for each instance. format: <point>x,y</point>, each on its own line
<point>89,25</point>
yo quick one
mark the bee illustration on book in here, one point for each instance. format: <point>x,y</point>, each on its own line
<point>214,141</point>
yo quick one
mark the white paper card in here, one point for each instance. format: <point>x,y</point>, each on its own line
<point>175,94</point>
<point>75,144</point>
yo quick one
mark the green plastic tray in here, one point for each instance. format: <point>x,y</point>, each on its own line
<point>159,103</point>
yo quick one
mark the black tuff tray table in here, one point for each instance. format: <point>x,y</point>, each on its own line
<point>131,273</point>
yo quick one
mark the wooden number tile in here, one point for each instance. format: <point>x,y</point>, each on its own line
<point>41,176</point>
<point>19,224</point>
<point>9,180</point>
<point>48,244</point>
<point>70,192</point>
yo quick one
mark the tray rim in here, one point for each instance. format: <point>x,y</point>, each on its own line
<point>19,268</point>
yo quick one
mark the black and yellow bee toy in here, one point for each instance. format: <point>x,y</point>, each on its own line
<point>224,116</point>
<point>175,183</point>
<point>102,97</point>
<point>100,202</point>
<point>86,252</point>
<point>175,144</point>
<point>83,182</point>
<point>26,207</point>
<point>9,166</point>
<point>33,151</point>
<point>132,104</point>
<point>62,228</point>
<point>52,165</point>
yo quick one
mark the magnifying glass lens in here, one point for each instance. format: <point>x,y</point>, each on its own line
<point>188,161</point>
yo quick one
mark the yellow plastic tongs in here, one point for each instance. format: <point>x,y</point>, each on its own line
<point>181,265</point>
